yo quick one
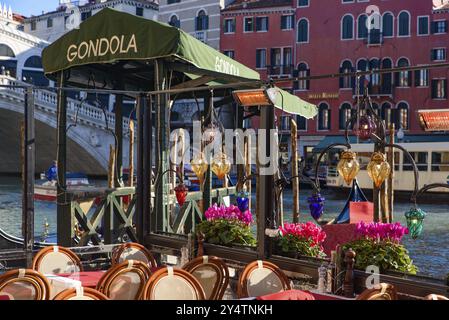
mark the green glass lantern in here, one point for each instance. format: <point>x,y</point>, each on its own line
<point>415,218</point>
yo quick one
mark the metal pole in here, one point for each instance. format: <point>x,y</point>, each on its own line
<point>29,153</point>
<point>65,232</point>
<point>294,164</point>
<point>146,213</point>
<point>391,176</point>
<point>119,133</point>
<point>266,197</point>
<point>140,194</point>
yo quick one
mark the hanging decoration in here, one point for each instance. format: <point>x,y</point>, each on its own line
<point>199,166</point>
<point>243,201</point>
<point>365,127</point>
<point>181,193</point>
<point>348,166</point>
<point>211,131</point>
<point>378,168</point>
<point>221,165</point>
<point>316,205</point>
<point>415,218</point>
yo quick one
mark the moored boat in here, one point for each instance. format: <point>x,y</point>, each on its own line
<point>45,190</point>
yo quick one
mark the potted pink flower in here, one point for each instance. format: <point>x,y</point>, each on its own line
<point>301,239</point>
<point>227,226</point>
<point>379,244</point>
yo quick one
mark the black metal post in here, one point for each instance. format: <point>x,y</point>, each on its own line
<point>29,156</point>
<point>140,187</point>
<point>65,232</point>
<point>207,187</point>
<point>266,196</point>
<point>147,168</point>
<point>118,174</point>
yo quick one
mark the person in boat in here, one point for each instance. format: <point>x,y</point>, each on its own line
<point>52,172</point>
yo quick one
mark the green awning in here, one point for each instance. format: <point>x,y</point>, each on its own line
<point>294,105</point>
<point>111,36</point>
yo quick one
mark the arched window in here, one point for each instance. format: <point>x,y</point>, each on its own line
<point>387,24</point>
<point>386,113</point>
<point>348,81</point>
<point>324,116</point>
<point>362,65</point>
<point>8,63</point>
<point>344,115</point>
<point>375,77</point>
<point>347,27</point>
<point>362,30</point>
<point>403,78</point>
<point>303,71</point>
<point>6,51</point>
<point>174,21</point>
<point>402,119</point>
<point>386,78</point>
<point>404,24</point>
<point>33,62</point>
<point>202,21</point>
<point>303,31</point>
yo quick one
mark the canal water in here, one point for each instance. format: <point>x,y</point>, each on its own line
<point>430,252</point>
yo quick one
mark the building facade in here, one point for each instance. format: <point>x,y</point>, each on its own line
<point>52,25</point>
<point>332,39</point>
<point>199,18</point>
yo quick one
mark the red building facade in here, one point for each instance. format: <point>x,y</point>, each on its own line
<point>330,37</point>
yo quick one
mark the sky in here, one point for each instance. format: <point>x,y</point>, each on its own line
<point>31,7</point>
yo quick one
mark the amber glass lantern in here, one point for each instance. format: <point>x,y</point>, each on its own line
<point>199,166</point>
<point>378,168</point>
<point>221,165</point>
<point>348,167</point>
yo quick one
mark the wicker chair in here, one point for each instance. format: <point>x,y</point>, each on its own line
<point>133,251</point>
<point>261,278</point>
<point>124,281</point>
<point>173,284</point>
<point>382,291</point>
<point>56,259</point>
<point>80,293</point>
<point>212,273</point>
<point>25,284</point>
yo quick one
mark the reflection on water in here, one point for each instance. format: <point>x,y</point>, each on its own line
<point>430,252</point>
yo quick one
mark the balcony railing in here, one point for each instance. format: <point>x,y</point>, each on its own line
<point>280,70</point>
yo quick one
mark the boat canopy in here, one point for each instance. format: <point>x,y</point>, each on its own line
<point>120,44</point>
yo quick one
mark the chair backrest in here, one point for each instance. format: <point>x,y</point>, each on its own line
<point>80,293</point>
<point>124,281</point>
<point>435,297</point>
<point>56,259</point>
<point>133,251</point>
<point>382,291</point>
<point>173,284</point>
<point>212,273</point>
<point>261,278</point>
<point>25,284</point>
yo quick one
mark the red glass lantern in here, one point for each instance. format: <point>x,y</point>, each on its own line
<point>181,193</point>
<point>365,128</point>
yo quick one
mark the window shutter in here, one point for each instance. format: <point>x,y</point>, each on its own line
<point>409,78</point>
<point>207,22</point>
<point>445,26</point>
<point>433,27</point>
<point>295,85</point>
<point>342,79</point>
<point>417,77</point>
<point>197,23</point>
<point>268,20</point>
<point>434,89</point>
<point>432,54</point>
<point>445,89</point>
<point>308,81</point>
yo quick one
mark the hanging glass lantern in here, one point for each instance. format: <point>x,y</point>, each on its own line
<point>316,205</point>
<point>348,167</point>
<point>211,132</point>
<point>365,127</point>
<point>378,168</point>
<point>199,166</point>
<point>221,165</point>
<point>415,218</point>
<point>243,201</point>
<point>181,193</point>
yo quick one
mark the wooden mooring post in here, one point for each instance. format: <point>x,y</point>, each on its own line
<point>28,173</point>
